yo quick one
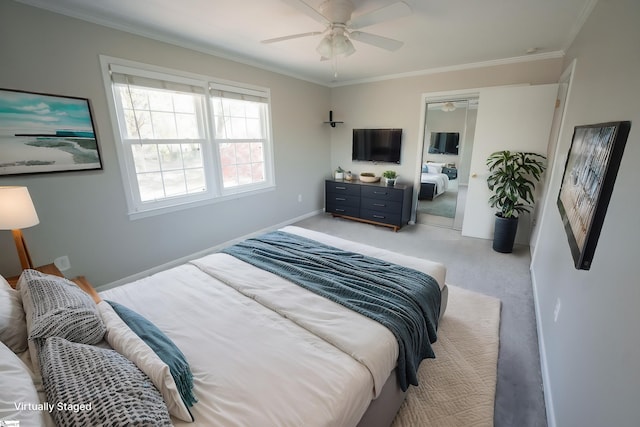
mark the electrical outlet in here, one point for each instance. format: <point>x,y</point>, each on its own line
<point>62,263</point>
<point>556,310</point>
<point>299,198</point>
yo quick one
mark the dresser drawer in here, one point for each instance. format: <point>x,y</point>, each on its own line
<point>380,192</point>
<point>339,209</point>
<point>382,205</point>
<point>383,217</point>
<point>343,199</point>
<point>342,188</point>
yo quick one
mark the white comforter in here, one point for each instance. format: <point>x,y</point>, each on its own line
<point>283,356</point>
<point>439,179</point>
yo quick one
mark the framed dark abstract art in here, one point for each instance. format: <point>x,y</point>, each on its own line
<point>587,183</point>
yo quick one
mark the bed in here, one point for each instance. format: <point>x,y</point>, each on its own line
<point>432,181</point>
<point>261,349</point>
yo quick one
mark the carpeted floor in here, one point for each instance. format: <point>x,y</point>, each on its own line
<point>444,204</point>
<point>458,387</point>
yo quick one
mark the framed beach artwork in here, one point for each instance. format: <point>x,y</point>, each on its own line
<point>41,133</point>
<point>587,183</point>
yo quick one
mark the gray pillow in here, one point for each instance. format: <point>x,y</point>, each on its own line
<point>99,387</point>
<point>56,307</point>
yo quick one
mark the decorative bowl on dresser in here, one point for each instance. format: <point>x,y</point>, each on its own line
<point>374,203</point>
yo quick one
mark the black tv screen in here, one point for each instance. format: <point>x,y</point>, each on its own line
<point>444,143</point>
<point>377,145</point>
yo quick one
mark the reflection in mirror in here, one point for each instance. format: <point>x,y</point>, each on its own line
<point>446,157</point>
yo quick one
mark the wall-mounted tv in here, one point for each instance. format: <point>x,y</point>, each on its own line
<point>377,145</point>
<point>444,143</point>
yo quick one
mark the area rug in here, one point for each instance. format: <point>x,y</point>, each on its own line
<point>457,388</point>
<point>443,205</point>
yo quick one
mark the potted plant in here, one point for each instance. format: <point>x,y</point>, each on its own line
<point>339,173</point>
<point>512,178</point>
<point>390,177</point>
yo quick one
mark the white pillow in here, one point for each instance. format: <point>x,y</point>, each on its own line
<point>18,388</point>
<point>434,169</point>
<point>13,326</point>
<point>436,164</point>
<point>126,342</point>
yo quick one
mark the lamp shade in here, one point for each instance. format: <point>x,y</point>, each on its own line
<point>16,209</point>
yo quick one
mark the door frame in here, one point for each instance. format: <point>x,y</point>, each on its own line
<point>565,84</point>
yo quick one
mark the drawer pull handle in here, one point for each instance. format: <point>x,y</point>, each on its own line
<point>339,210</point>
<point>378,216</point>
<point>380,192</point>
<point>341,188</point>
<point>342,199</point>
<point>382,205</point>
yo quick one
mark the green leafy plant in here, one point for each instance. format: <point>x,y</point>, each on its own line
<point>512,178</point>
<point>389,174</point>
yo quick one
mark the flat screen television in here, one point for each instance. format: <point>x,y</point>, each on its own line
<point>444,143</point>
<point>377,145</point>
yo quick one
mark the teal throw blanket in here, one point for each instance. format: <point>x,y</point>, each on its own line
<point>164,347</point>
<point>404,300</point>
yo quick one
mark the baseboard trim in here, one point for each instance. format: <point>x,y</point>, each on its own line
<point>544,367</point>
<point>199,254</point>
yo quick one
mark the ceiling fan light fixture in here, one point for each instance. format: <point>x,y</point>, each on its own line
<point>448,107</point>
<point>325,48</point>
<point>342,45</point>
<point>335,45</point>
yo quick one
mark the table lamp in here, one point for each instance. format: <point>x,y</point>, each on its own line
<point>17,212</point>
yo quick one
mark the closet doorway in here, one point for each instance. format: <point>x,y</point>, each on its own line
<point>447,144</point>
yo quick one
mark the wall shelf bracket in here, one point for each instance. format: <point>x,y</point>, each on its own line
<point>332,122</point>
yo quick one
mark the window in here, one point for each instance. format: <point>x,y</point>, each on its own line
<point>240,132</point>
<point>187,139</point>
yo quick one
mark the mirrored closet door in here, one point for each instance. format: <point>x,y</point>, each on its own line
<point>449,127</point>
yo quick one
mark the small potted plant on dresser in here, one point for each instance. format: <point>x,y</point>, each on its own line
<point>390,177</point>
<point>339,173</point>
<point>512,178</point>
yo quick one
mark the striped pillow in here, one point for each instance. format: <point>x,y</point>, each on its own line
<point>99,386</point>
<point>56,307</point>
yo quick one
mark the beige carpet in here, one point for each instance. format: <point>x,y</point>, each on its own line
<point>457,388</point>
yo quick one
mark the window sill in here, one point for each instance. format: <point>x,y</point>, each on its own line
<point>140,214</point>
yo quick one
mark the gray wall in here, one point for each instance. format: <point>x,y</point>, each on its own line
<point>83,214</point>
<point>591,354</point>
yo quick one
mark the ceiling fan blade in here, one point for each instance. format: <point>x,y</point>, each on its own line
<point>293,36</point>
<point>385,13</point>
<point>307,10</point>
<point>378,41</point>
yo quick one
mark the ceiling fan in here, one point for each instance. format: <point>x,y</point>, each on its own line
<point>340,26</point>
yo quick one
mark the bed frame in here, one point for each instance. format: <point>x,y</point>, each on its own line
<point>382,411</point>
<point>427,191</point>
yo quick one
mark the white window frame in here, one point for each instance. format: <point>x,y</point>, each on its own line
<point>215,191</point>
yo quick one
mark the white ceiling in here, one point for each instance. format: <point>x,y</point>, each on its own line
<point>437,35</point>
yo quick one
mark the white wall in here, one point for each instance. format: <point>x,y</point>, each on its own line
<point>83,215</point>
<point>398,103</point>
<point>591,354</point>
